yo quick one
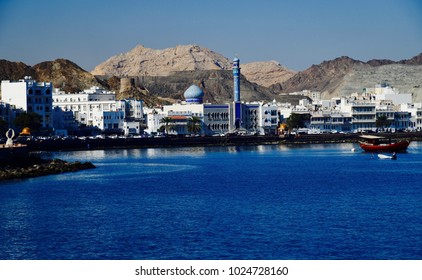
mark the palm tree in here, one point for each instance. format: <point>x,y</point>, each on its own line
<point>168,124</point>
<point>194,125</point>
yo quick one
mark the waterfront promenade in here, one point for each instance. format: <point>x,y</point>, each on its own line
<point>69,144</point>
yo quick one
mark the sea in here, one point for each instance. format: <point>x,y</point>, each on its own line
<point>269,202</point>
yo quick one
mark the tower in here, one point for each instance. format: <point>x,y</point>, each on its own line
<point>236,79</point>
<point>237,105</point>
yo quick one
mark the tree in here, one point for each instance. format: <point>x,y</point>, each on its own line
<point>382,122</point>
<point>296,120</point>
<point>168,124</point>
<point>194,125</point>
<point>31,120</point>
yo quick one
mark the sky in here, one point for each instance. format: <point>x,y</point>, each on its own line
<point>296,33</point>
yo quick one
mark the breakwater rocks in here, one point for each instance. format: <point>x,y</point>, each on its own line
<point>41,168</point>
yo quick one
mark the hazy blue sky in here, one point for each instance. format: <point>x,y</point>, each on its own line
<point>296,33</point>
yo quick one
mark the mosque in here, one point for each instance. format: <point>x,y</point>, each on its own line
<point>216,119</point>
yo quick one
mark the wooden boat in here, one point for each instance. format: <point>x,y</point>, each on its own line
<point>372,143</point>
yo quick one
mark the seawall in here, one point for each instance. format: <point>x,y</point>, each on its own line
<point>157,142</point>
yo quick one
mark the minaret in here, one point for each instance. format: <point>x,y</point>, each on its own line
<point>236,92</point>
<point>236,79</point>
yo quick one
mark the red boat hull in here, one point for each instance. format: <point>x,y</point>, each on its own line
<point>393,147</point>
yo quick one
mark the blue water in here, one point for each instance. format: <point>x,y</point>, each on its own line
<point>261,202</point>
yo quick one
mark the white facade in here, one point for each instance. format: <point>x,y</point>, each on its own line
<point>108,120</point>
<point>153,119</point>
<point>30,96</point>
<point>133,109</point>
<point>418,120</point>
<point>93,107</point>
<point>216,119</point>
<point>269,118</point>
<point>362,112</point>
<point>330,121</point>
<point>384,91</point>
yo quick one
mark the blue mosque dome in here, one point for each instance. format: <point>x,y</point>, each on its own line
<point>194,94</point>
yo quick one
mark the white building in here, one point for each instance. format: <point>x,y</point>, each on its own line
<point>330,121</point>
<point>111,121</point>
<point>96,107</point>
<point>418,121</point>
<point>86,104</point>
<point>384,91</point>
<point>30,96</point>
<point>269,118</point>
<point>215,119</point>
<point>134,109</point>
<point>362,113</point>
<point>133,114</point>
<point>415,114</point>
<point>153,119</point>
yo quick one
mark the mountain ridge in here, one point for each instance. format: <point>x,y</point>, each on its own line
<point>142,61</point>
<point>260,80</point>
<point>334,77</point>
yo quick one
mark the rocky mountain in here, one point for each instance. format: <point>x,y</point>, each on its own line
<point>168,73</point>
<point>62,73</point>
<point>14,70</point>
<point>322,77</point>
<point>344,75</point>
<point>161,76</point>
<point>154,90</point>
<point>142,61</point>
<point>405,78</point>
<point>216,84</point>
<point>416,60</point>
<point>266,73</point>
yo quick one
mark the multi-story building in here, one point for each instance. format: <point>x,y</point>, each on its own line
<point>7,113</point>
<point>96,107</point>
<point>30,96</point>
<point>418,120</point>
<point>362,112</point>
<point>132,108</point>
<point>269,118</point>
<point>402,120</point>
<point>108,121</point>
<point>64,122</point>
<point>384,91</point>
<point>84,105</point>
<point>330,121</point>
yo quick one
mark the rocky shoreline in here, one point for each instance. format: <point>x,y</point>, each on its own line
<point>41,167</point>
